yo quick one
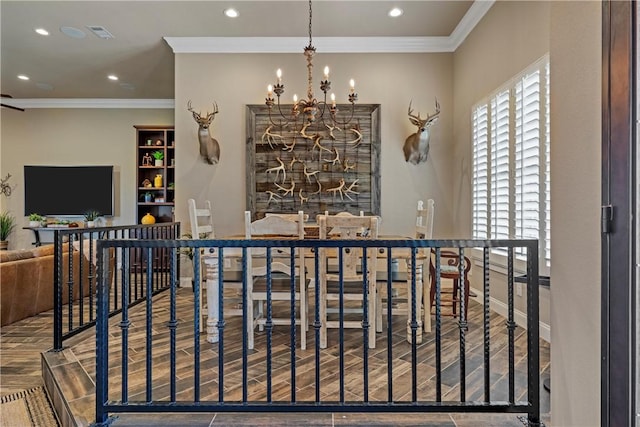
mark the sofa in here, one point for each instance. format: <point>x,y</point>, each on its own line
<point>27,285</point>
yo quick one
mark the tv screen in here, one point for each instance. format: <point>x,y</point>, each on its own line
<point>68,190</point>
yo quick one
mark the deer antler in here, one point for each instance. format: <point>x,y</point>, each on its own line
<point>270,137</point>
<point>309,174</point>
<point>349,189</point>
<point>272,195</point>
<point>302,198</point>
<point>336,159</point>
<point>338,189</point>
<point>277,170</point>
<point>287,190</point>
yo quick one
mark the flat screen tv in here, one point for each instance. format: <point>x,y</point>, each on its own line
<point>68,190</point>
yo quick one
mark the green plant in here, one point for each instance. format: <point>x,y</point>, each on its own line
<point>36,217</point>
<point>91,215</point>
<point>158,155</point>
<point>7,224</point>
<point>188,252</point>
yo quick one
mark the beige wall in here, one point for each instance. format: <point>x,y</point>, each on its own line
<point>73,137</point>
<point>576,58</point>
<point>392,80</point>
<point>511,36</point>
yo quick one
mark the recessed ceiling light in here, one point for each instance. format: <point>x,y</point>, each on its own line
<point>231,13</point>
<point>73,32</point>
<point>395,12</point>
<point>112,77</point>
<point>42,31</point>
<point>23,77</point>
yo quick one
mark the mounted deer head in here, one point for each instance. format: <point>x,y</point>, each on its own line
<point>209,147</point>
<point>416,146</point>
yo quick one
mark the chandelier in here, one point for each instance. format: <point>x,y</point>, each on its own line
<point>311,108</point>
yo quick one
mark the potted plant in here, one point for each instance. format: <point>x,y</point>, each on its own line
<point>158,156</point>
<point>7,224</point>
<point>36,220</point>
<point>148,197</point>
<point>91,217</point>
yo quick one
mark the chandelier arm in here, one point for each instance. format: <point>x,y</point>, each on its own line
<point>348,121</point>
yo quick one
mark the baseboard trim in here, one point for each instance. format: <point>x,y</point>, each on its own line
<point>520,317</point>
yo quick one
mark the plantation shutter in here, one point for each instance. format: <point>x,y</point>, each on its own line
<point>527,158</point>
<point>480,172</point>
<point>500,166</point>
<point>547,172</point>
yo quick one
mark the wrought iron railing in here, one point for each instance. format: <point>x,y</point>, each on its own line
<point>75,275</point>
<point>191,375</point>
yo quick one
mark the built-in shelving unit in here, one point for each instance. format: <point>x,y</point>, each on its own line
<point>153,179</point>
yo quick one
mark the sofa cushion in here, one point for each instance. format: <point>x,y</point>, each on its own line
<point>43,250</point>
<point>16,255</point>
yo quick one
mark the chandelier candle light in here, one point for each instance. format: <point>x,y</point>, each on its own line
<point>310,107</point>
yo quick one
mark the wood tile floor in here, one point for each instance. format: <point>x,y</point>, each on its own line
<point>22,343</point>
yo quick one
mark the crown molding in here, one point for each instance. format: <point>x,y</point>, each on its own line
<point>323,44</point>
<point>93,103</point>
<point>469,21</point>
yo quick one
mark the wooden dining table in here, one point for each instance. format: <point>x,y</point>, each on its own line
<point>423,317</point>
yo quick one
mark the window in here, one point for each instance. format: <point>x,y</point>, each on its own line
<point>511,169</point>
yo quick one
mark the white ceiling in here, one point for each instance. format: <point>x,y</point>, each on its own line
<point>63,67</point>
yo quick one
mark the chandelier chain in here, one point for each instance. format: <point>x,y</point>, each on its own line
<point>310,17</point>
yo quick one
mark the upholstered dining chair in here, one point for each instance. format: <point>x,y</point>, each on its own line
<point>353,278</point>
<point>275,227</point>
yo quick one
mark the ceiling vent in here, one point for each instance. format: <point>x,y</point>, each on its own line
<point>100,31</point>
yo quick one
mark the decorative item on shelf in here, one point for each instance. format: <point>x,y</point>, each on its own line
<point>159,156</point>
<point>147,160</point>
<point>312,109</point>
<point>159,200</point>
<point>416,146</point>
<point>209,147</point>
<point>159,142</point>
<point>173,162</point>
<point>171,186</point>
<point>157,181</point>
<point>148,142</point>
<point>146,183</point>
<point>173,144</point>
<point>148,219</point>
<point>7,225</point>
<point>91,217</point>
<point>148,197</point>
<point>36,220</point>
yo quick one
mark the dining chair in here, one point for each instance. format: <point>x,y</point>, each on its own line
<point>358,285</point>
<point>401,281</point>
<point>275,227</point>
<point>449,270</point>
<point>201,224</point>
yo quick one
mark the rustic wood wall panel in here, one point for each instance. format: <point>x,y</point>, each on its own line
<point>321,170</point>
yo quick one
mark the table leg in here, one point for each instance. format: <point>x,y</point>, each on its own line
<point>212,273</point>
<point>418,301</point>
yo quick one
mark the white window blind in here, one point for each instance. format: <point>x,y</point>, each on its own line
<point>514,159</point>
<point>500,166</point>
<point>527,158</point>
<point>480,173</point>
